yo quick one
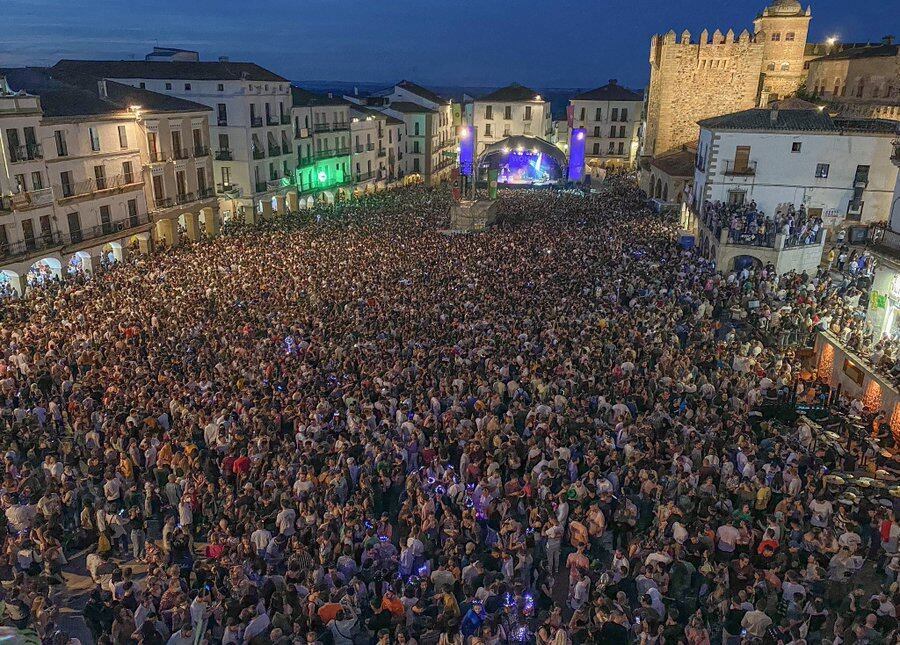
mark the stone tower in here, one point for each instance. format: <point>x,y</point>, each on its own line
<point>694,80</point>
<point>781,29</point>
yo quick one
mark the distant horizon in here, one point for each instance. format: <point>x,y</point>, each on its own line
<point>477,44</point>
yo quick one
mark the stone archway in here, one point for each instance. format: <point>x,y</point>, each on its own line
<point>81,263</point>
<point>190,224</point>
<point>43,271</point>
<point>11,284</point>
<point>167,232</point>
<point>310,201</point>
<point>209,221</point>
<point>328,196</point>
<point>292,200</point>
<point>112,252</point>
<point>139,243</point>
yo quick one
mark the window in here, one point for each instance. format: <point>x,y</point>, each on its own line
<point>132,212</point>
<point>221,114</point>
<point>416,129</point>
<point>487,130</point>
<point>507,112</point>
<point>615,115</point>
<point>105,220</point>
<point>176,144</point>
<point>187,87</point>
<point>528,113</point>
<point>597,114</point>
<point>789,36</point>
<point>597,131</point>
<point>100,177</point>
<point>822,170</point>
<point>142,85</point>
<point>37,180</point>
<point>506,131</point>
<point>220,87</point>
<point>95,139</point>
<point>416,167</point>
<point>159,191</point>
<point>127,172</point>
<point>65,182</point>
<point>168,86</point>
<point>785,67</point>
<point>859,89</point>
<point>612,131</point>
<point>736,197</point>
<point>796,146</point>
<point>621,131</point>
<point>770,67</point>
<point>612,148</point>
<point>226,175</point>
<point>20,184</point>
<point>489,112</point>
<point>123,137</point>
<point>621,147</point>
<point>596,148</point>
<point>776,36</point>
<point>74,222</point>
<point>624,114</point>
<point>741,158</point>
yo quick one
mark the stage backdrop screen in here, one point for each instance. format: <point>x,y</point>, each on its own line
<point>528,167</point>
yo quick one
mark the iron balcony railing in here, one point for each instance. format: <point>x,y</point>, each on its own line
<point>370,146</point>
<point>274,151</point>
<point>224,155</point>
<point>305,161</point>
<point>155,156</point>
<point>382,152</point>
<point>331,127</point>
<point>222,122</point>
<point>181,153</point>
<point>205,193</point>
<point>328,153</point>
<point>743,169</point>
<point>30,245</point>
<point>163,202</point>
<point>28,152</point>
<point>27,200</point>
<point>184,198</point>
<point>256,122</point>
<point>285,119</point>
<point>359,148</point>
<point>201,151</point>
<point>92,186</point>
<point>364,176</point>
<point>54,240</point>
<point>259,153</point>
<point>273,120</point>
<point>260,187</point>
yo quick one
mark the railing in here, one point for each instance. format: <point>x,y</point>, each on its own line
<point>228,189</point>
<point>382,152</point>
<point>305,161</point>
<point>256,122</point>
<point>5,204</point>
<point>260,187</point>
<point>274,151</point>
<point>184,198</point>
<point>201,151</point>
<point>92,186</point>
<point>163,202</point>
<point>365,176</point>
<point>155,156</point>
<point>794,241</point>
<point>205,193</point>
<point>28,152</point>
<point>359,148</point>
<point>222,122</point>
<point>76,236</point>
<point>331,127</point>
<point>370,146</point>
<point>31,199</point>
<point>259,154</point>
<point>443,164</point>
<point>30,245</point>
<point>328,153</point>
<point>224,155</point>
<point>733,169</point>
<point>285,119</point>
<point>272,120</point>
<point>180,154</point>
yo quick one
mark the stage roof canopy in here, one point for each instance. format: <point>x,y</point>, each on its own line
<point>533,144</point>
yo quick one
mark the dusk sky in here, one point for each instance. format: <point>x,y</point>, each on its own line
<point>558,43</point>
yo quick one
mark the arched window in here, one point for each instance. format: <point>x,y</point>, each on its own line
<point>785,67</point>
<point>770,67</point>
<point>665,194</point>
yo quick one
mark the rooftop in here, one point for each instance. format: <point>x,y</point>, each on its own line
<point>362,112</point>
<point>305,98</point>
<point>796,121</point>
<point>612,91</point>
<point>865,51</point>
<point>181,70</point>
<point>512,93</point>
<point>424,92</point>
<point>70,95</point>
<point>410,108</point>
<point>678,162</point>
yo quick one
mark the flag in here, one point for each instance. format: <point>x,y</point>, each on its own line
<point>492,183</point>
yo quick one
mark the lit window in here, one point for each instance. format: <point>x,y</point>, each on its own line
<point>776,36</point>
<point>795,146</point>
<point>822,170</point>
<point>789,36</point>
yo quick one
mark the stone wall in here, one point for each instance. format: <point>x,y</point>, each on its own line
<point>691,81</point>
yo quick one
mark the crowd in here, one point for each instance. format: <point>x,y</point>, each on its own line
<point>362,430</point>
<point>746,224</point>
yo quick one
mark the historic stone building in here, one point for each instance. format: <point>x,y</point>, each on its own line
<point>692,80</point>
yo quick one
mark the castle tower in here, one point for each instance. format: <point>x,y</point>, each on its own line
<point>782,29</point>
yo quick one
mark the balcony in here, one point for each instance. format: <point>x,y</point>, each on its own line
<point>27,246</point>
<point>91,187</point>
<point>28,152</point>
<point>260,187</point>
<point>201,151</point>
<point>446,163</point>
<point>274,151</point>
<point>180,154</point>
<point>163,202</point>
<point>285,119</point>
<point>222,122</point>
<point>305,161</point>
<point>256,122</point>
<point>329,153</point>
<point>224,155</point>
<point>155,156</point>
<point>365,176</point>
<point>104,229</point>
<point>382,152</point>
<point>358,149</point>
<point>27,200</point>
<point>370,146</point>
<point>331,127</point>
<point>259,153</point>
<point>184,198</point>
<point>272,121</point>
<point>740,169</point>
<point>229,190</point>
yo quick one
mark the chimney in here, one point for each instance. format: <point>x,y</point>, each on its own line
<point>773,115</point>
<point>101,88</point>
<point>223,59</point>
<point>887,40</point>
<point>613,81</point>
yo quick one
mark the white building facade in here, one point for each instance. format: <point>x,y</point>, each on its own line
<point>611,117</point>
<point>322,140</point>
<point>839,169</point>
<point>514,110</point>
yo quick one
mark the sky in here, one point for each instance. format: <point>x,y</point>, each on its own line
<point>478,43</point>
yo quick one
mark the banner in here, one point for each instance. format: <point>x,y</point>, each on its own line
<point>457,114</point>
<point>492,183</point>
